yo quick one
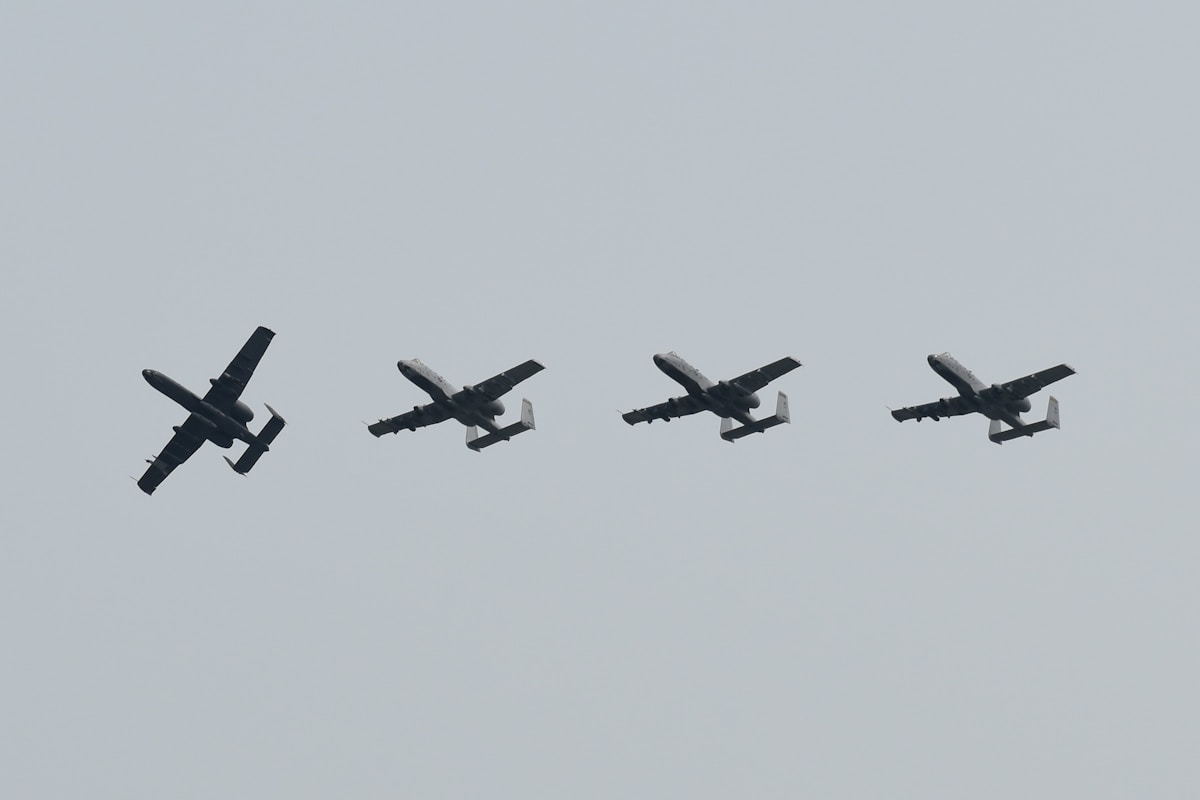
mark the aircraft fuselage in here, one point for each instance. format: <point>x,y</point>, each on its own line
<point>986,400</point>
<point>722,398</point>
<point>465,405</point>
<point>223,428</point>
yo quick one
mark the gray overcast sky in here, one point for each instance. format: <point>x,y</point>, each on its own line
<point>843,608</point>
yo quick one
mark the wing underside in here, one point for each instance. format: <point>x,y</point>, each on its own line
<point>186,441</point>
<point>503,383</point>
<point>228,388</point>
<point>948,407</point>
<point>672,409</point>
<point>1023,387</point>
<point>419,417</point>
<point>756,379</point>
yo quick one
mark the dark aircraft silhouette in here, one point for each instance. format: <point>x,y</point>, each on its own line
<point>1000,402</point>
<point>218,417</point>
<point>731,400</point>
<point>474,406</point>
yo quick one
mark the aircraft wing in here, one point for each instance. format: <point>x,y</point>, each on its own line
<point>1023,387</point>
<point>501,384</point>
<point>419,417</point>
<point>228,388</point>
<point>948,407</point>
<point>756,379</point>
<point>186,441</point>
<point>672,409</point>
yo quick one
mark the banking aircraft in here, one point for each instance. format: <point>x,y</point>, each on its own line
<point>474,406</point>
<point>218,417</point>
<point>1001,402</point>
<point>731,400</point>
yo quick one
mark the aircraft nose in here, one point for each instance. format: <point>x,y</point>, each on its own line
<point>931,358</point>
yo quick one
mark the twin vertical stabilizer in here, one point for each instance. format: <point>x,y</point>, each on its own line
<point>477,442</point>
<point>266,436</point>
<point>782,415</point>
<point>1000,436</point>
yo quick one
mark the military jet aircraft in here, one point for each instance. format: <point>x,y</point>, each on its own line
<point>474,406</point>
<point>218,417</point>
<point>730,400</point>
<point>1000,402</point>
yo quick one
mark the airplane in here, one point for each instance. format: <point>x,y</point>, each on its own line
<point>1001,402</point>
<point>731,400</point>
<point>218,417</point>
<point>474,406</point>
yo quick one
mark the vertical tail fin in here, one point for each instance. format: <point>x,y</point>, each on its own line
<point>1051,421</point>
<point>782,415</point>
<point>477,442</point>
<point>273,427</point>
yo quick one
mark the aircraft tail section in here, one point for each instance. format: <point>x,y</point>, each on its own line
<point>999,436</point>
<point>477,442</point>
<point>273,427</point>
<point>254,453</point>
<point>1052,420</point>
<point>782,415</point>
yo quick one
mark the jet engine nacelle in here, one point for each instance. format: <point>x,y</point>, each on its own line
<point>739,396</point>
<point>211,432</point>
<point>1022,405</point>
<point>495,408</point>
<point>241,412</point>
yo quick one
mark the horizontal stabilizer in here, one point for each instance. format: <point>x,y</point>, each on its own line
<point>1051,421</point>
<point>247,461</point>
<point>266,436</point>
<point>272,428</point>
<point>477,442</point>
<point>782,415</point>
